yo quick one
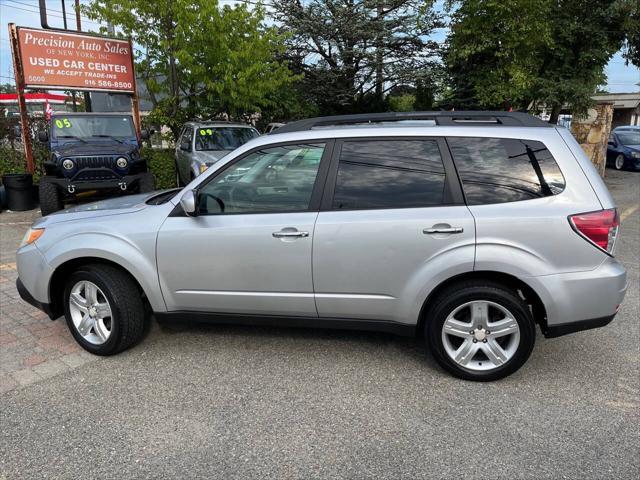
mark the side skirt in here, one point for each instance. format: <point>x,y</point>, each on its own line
<point>386,326</point>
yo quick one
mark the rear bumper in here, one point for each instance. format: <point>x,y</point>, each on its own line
<point>573,327</point>
<point>72,186</point>
<point>579,301</point>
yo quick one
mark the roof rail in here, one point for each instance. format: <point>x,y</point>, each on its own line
<point>514,119</point>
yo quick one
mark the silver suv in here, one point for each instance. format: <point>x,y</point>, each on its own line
<point>467,228</point>
<point>201,144</point>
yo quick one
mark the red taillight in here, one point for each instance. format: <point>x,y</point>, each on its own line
<point>600,228</point>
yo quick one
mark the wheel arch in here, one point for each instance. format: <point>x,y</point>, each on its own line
<point>57,281</point>
<point>529,295</point>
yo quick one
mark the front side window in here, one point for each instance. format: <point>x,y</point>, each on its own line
<point>225,138</point>
<point>501,170</point>
<point>271,180</point>
<point>92,126</point>
<point>389,174</point>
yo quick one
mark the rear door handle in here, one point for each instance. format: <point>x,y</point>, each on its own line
<point>290,234</point>
<point>431,231</point>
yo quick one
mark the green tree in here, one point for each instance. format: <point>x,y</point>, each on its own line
<point>514,53</point>
<point>7,88</point>
<point>352,52</point>
<point>198,58</point>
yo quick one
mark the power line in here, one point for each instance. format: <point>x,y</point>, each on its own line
<point>48,14</point>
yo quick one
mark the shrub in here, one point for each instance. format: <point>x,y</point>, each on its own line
<point>162,164</point>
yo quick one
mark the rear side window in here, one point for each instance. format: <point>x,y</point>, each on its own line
<point>501,170</point>
<point>389,174</point>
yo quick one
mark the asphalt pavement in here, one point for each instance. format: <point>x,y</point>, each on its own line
<point>228,402</point>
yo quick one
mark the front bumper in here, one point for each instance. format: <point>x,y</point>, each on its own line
<point>73,186</point>
<point>27,297</point>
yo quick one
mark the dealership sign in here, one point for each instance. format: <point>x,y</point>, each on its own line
<point>69,61</point>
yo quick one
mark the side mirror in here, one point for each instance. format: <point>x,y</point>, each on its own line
<point>43,137</point>
<point>186,146</point>
<point>188,203</point>
<point>144,134</point>
<point>612,143</point>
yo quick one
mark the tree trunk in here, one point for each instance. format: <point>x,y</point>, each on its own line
<point>555,113</point>
<point>379,53</point>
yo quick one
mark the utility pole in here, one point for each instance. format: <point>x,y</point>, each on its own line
<point>87,95</point>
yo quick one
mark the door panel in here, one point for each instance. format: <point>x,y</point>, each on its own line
<point>249,248</point>
<point>378,264</point>
<point>234,264</point>
<point>376,254</point>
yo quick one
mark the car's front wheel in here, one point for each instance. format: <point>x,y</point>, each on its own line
<point>619,162</point>
<point>480,330</point>
<point>103,309</point>
<point>147,182</point>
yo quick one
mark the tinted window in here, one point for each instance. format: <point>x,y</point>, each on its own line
<point>271,180</point>
<point>389,174</point>
<point>500,170</point>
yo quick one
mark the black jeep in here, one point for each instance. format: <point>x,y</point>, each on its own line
<point>91,152</point>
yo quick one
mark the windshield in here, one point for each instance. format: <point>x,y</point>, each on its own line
<point>629,138</point>
<point>223,138</point>
<point>92,126</point>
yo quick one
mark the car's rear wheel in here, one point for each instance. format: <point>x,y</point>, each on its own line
<point>103,309</point>
<point>619,162</point>
<point>50,197</point>
<point>480,330</point>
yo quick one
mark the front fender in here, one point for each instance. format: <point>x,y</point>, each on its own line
<point>124,253</point>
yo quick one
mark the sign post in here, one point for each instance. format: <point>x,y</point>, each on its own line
<point>24,117</point>
<point>64,60</point>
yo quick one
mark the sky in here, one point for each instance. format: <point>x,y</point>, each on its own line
<point>620,77</point>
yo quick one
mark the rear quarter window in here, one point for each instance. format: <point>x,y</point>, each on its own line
<point>502,170</point>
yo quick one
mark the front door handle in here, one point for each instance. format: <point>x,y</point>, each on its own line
<point>290,234</point>
<point>431,231</point>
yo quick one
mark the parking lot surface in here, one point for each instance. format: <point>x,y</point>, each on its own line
<point>246,402</point>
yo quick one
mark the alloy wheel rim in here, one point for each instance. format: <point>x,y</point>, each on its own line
<point>90,312</point>
<point>619,162</point>
<point>480,335</point>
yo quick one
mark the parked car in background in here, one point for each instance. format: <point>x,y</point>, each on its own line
<point>272,126</point>
<point>91,151</point>
<point>469,229</point>
<point>623,149</point>
<point>201,144</point>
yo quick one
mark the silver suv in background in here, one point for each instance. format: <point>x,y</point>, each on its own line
<point>470,229</point>
<point>201,144</point>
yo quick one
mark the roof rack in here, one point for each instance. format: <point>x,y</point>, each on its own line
<point>514,119</point>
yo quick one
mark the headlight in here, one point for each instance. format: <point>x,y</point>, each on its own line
<point>31,236</point>
<point>67,164</point>
<point>203,168</point>
<point>635,154</point>
<point>122,162</point>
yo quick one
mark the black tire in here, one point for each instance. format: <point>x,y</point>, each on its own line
<point>179,182</point>
<point>461,293</point>
<point>50,198</point>
<point>617,165</point>
<point>128,320</point>
<point>147,183</point>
